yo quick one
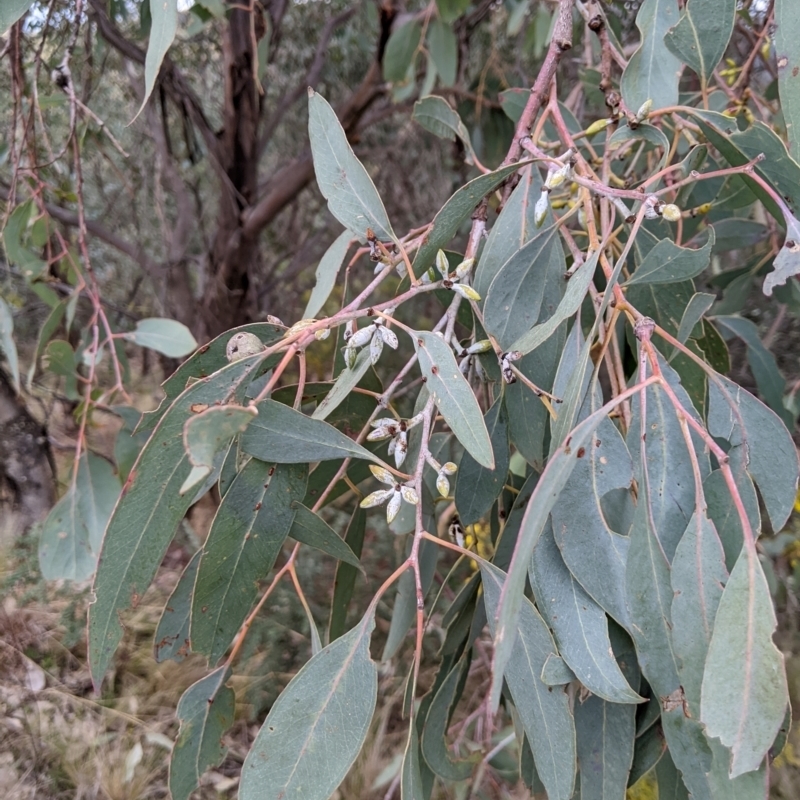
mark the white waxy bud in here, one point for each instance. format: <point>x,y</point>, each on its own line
<point>456,531</point>
<point>481,346</point>
<point>400,269</point>
<point>442,264</point>
<point>242,345</point>
<point>467,292</point>
<point>388,336</point>
<point>275,320</point>
<point>322,333</point>
<point>380,433</point>
<point>375,349</point>
<point>541,208</point>
<point>557,177</point>
<point>463,365</point>
<point>442,485</point>
<point>400,448</point>
<point>350,356</point>
<point>349,329</point>
<point>409,495</point>
<point>393,507</point>
<point>671,212</point>
<point>644,110</point>
<point>382,474</point>
<point>464,268</point>
<point>449,468</point>
<point>376,498</point>
<point>361,337</point>
<point>429,276</point>
<point>652,207</point>
<point>505,367</point>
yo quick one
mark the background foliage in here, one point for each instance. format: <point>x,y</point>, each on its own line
<point>561,576</point>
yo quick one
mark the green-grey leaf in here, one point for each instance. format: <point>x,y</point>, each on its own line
<point>311,529</point>
<point>346,575</point>
<point>787,45</point>
<point>652,72</point>
<point>172,634</point>
<point>444,50</point>
<point>344,183</point>
<point>577,287</point>
<point>605,737</point>
<point>594,553</point>
<point>787,263</point>
<point>163,27</point>
<point>7,345</point>
<point>698,305</point>
<point>148,512</point>
<point>72,533</point>
<point>669,263</point>
<point>578,623</point>
<point>477,487</point>
<point>451,10</point>
<point>400,51</point>
<point>167,336</point>
<point>205,711</point>
<point>327,270</point>
<point>544,710</point>
<point>702,34</point>
<point>767,448</point>
<point>11,11</point>
<point>248,531</point>
<point>316,727</point>
<point>208,432</point>
<point>286,436</point>
<point>448,220</point>
<point>436,115</point>
<point>345,382</point>
<point>410,774</point>
<point>453,396</point>
<point>670,785</point>
<point>512,304</point>
<point>744,691</point>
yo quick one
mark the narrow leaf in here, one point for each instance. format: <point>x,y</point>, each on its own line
<point>205,712</point>
<point>283,435</point>
<point>163,27</point>
<point>344,183</point>
<point>444,50</point>
<point>326,273</point>
<point>346,575</point>
<point>744,692</point>
<point>172,633</point>
<point>698,305</point>
<point>248,531</point>
<point>309,528</point>
<point>148,512</point>
<point>7,345</point>
<point>669,263</point>
<point>400,51</point>
<point>316,727</point>
<point>347,380</point>
<point>454,396</point>
<point>787,44</point>
<point>544,710</point>
<point>410,774</point>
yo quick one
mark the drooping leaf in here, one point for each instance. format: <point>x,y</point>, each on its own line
<point>281,434</point>
<point>205,712</point>
<point>316,727</point>
<point>578,624</point>
<point>400,51</point>
<point>702,34</point>
<point>454,396</point>
<point>670,785</point>
<point>165,336</point>
<point>669,263</point>
<point>787,263</point>
<point>605,738</point>
<point>744,691</point>
<point>444,50</point>
<point>346,575</point>
<point>11,11</point>
<point>410,773</point>
<point>209,431</point>
<point>653,71</point>
<point>437,720</point>
<point>246,536</point>
<point>763,441</point>
<point>436,115</point>
<point>14,236</point>
<point>451,10</point>
<point>163,27</point>
<point>544,710</point>
<point>344,183</point>
<point>148,512</point>
<point>311,529</point>
<point>577,287</point>
<point>7,345</point>
<point>70,539</point>
<point>512,304</point>
<point>649,748</point>
<point>787,44</point>
<point>698,305</point>
<point>448,220</point>
<point>172,634</point>
<point>594,553</point>
<point>347,380</point>
<point>477,487</point>
<point>327,270</point>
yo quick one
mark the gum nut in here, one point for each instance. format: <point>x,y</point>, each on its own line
<point>242,345</point>
<point>671,212</point>
<point>449,468</point>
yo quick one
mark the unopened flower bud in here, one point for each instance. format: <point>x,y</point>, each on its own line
<point>671,212</point>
